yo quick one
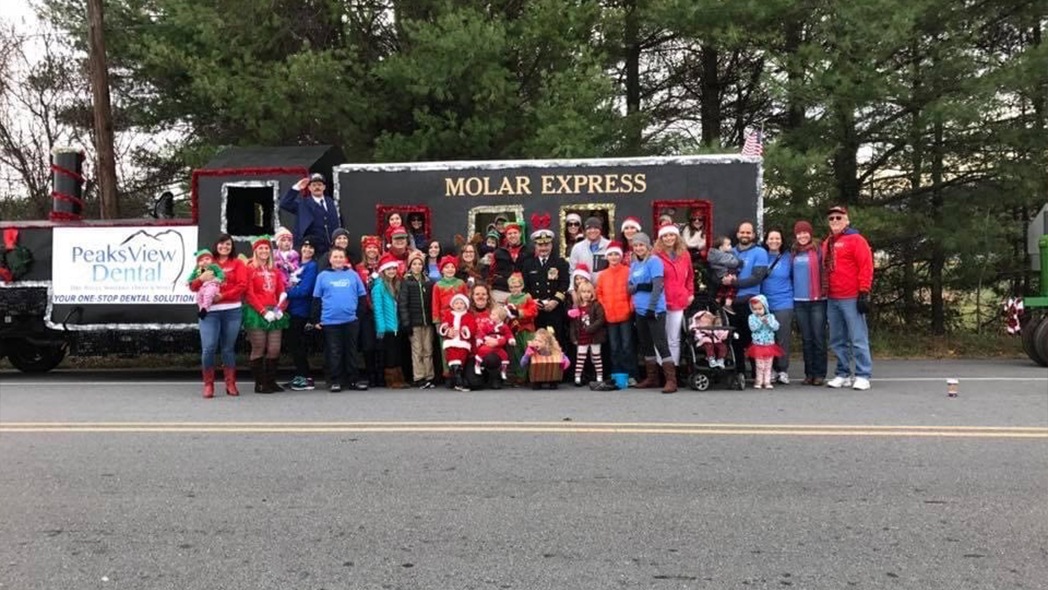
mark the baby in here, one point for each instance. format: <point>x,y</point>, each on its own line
<point>206,295</point>
<point>494,326</point>
<point>703,327</point>
<point>724,263</point>
<point>284,256</point>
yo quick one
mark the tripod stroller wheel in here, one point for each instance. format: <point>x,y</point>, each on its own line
<point>738,382</point>
<point>699,381</point>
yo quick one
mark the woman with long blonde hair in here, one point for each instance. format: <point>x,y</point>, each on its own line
<point>264,317</point>
<point>678,281</point>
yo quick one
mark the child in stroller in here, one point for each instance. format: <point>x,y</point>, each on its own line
<point>711,352</point>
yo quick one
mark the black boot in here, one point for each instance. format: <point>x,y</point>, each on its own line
<point>258,372</point>
<point>271,376</point>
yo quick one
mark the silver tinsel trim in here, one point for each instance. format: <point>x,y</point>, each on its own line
<point>224,222</point>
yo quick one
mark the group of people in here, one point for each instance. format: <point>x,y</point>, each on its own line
<point>479,316</point>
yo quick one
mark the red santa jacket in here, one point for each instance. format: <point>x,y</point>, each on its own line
<point>500,331</point>
<point>457,329</point>
<point>522,311</point>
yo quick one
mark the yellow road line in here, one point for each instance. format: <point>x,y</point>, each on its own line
<point>504,424</point>
<point>521,428</point>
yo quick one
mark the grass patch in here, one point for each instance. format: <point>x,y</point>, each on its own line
<point>908,345</point>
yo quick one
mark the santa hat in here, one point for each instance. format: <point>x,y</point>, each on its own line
<point>261,241</point>
<point>449,259</point>
<point>370,242</point>
<point>613,247</point>
<point>457,297</point>
<point>668,228</point>
<point>582,270</point>
<point>202,253</point>
<point>387,261</point>
<point>631,222</point>
<point>282,232</point>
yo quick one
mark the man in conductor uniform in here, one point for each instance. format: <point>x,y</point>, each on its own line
<point>316,215</point>
<point>546,279</point>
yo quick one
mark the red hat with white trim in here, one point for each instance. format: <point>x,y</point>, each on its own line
<point>631,222</point>
<point>581,270</point>
<point>668,228</point>
<point>613,247</point>
<point>459,297</point>
<point>387,261</point>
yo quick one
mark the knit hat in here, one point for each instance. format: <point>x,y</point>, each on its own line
<point>613,247</point>
<point>457,297</point>
<point>581,270</point>
<point>370,242</point>
<point>631,222</point>
<point>573,218</point>
<point>339,232</point>
<point>387,261</point>
<point>642,238</point>
<point>416,254</point>
<point>449,259</point>
<point>594,222</point>
<point>282,232</point>
<point>308,241</point>
<point>802,227</point>
<point>262,241</point>
<point>202,253</point>
<point>668,228</point>
<point>493,233</point>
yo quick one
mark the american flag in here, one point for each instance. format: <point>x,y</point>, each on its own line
<point>754,145</point>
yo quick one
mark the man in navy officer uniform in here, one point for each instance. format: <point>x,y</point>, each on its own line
<point>546,279</point>
<point>316,215</point>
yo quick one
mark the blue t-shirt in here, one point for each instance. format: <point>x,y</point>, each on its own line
<point>751,258</point>
<point>777,287</point>
<point>802,276</point>
<point>339,291</point>
<point>642,272</point>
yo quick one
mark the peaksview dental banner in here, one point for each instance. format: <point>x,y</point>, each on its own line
<point>122,265</point>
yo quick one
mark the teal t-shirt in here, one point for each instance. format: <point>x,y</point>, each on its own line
<point>642,272</point>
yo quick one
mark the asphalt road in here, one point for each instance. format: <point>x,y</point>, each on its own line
<point>130,480</point>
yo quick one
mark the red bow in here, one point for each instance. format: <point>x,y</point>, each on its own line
<point>540,221</point>
<point>10,238</point>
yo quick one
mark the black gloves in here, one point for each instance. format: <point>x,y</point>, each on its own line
<point>863,303</point>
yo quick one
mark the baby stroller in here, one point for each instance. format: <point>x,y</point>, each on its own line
<point>702,373</point>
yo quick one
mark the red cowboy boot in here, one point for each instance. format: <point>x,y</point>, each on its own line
<point>230,375</point>
<point>209,383</point>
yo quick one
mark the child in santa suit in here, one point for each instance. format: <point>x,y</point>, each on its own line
<point>493,336</point>
<point>456,330</point>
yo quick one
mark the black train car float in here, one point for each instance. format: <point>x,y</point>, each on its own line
<point>117,287</point>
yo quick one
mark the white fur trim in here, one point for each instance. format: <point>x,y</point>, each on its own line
<point>669,229</point>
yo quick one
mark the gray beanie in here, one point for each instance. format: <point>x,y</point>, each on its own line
<point>593,222</point>
<point>338,232</point>
<point>642,238</point>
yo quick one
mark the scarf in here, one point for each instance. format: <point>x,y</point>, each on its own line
<point>817,280</point>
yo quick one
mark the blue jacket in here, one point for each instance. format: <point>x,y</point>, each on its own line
<point>311,219</point>
<point>778,285</point>
<point>384,305</point>
<point>300,297</point>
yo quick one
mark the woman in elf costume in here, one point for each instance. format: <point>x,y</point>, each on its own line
<point>522,310</point>
<point>264,317</point>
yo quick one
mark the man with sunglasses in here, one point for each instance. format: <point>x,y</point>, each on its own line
<point>848,276</point>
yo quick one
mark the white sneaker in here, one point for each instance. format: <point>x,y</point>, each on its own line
<point>784,378</point>
<point>861,384</point>
<point>839,382</point>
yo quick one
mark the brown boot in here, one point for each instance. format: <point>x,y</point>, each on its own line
<point>230,375</point>
<point>651,375</point>
<point>209,383</point>
<point>395,378</point>
<point>669,371</point>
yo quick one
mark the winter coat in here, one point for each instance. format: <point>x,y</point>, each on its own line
<point>613,294</point>
<point>415,302</point>
<point>300,296</point>
<point>763,331</point>
<point>591,321</point>
<point>384,307</point>
<point>678,278</point>
<point>851,266</point>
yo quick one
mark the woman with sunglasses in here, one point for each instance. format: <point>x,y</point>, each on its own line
<point>572,229</point>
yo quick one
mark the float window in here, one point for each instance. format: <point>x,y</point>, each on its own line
<point>249,208</point>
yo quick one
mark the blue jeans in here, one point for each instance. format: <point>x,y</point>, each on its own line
<point>848,337</point>
<point>620,341</point>
<point>218,332</point>
<point>811,319</point>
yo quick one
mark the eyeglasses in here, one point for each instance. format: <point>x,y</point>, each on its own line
<point>835,217</point>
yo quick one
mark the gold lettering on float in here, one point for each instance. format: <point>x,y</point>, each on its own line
<point>549,184</point>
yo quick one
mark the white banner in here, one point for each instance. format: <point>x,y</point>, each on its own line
<point>122,265</point>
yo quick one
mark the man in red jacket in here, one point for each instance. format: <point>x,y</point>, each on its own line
<point>848,274</point>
